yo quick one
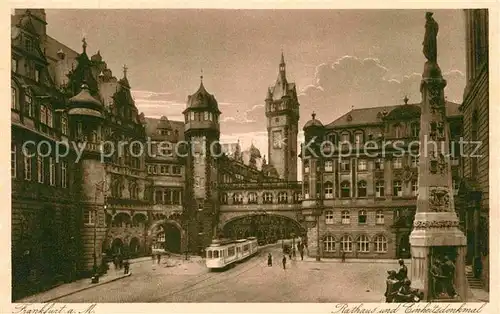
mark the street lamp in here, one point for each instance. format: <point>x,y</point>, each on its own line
<point>99,187</point>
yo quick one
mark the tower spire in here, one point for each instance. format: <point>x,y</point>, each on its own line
<point>125,71</point>
<point>84,44</point>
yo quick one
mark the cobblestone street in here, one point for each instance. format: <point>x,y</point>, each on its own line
<point>251,281</point>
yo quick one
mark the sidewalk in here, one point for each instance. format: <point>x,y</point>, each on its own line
<point>79,285</point>
<point>354,260</point>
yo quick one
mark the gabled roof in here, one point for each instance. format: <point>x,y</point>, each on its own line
<point>153,123</point>
<point>374,115</point>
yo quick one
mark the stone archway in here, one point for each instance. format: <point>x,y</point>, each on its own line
<point>117,247</point>
<point>166,235</point>
<point>134,246</point>
<point>268,228</point>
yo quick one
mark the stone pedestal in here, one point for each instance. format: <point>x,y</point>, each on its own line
<point>437,244</point>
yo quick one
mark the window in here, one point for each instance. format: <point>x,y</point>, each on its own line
<point>414,187</point>
<point>28,44</point>
<point>29,110</point>
<point>328,189</point>
<point>164,169</point>
<point>43,114</point>
<point>37,75</point>
<point>414,161</point>
<point>379,164</point>
<point>13,160</point>
<point>297,197</point>
<point>52,171</point>
<point>332,138</point>
<point>397,163</point>
<point>13,99</point>
<point>40,168</point>
<point>282,197</point>
<point>345,189</point>
<point>455,187</point>
<point>346,218</point>
<point>397,188</point>
<point>49,118</point>
<point>362,217</point>
<point>306,166</point>
<point>13,64</point>
<point>328,166</point>
<point>64,125</point>
<point>415,130</point>
<point>79,129</point>
<point>252,198</point>
<point>344,138</point>
<point>380,244</point>
<point>397,131</point>
<point>346,243</point>
<point>363,244</point>
<point>379,217</point>
<point>329,244</point>
<point>237,198</point>
<point>165,149</point>
<point>205,115</point>
<point>362,189</point>
<point>88,217</point>
<point>277,139</point>
<point>329,217</point>
<point>358,138</point>
<point>379,188</point>
<point>64,174</point>
<point>345,165</point>
<point>28,165</point>
<point>267,198</point>
<point>362,165</point>
<point>306,190</point>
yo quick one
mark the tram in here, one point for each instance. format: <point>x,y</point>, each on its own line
<point>222,253</point>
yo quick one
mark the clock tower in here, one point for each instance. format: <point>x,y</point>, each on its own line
<point>201,131</point>
<point>282,113</point>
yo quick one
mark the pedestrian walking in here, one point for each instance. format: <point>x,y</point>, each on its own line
<point>284,262</point>
<point>126,266</point>
<point>159,258</point>
<point>293,253</point>
<point>153,258</point>
<point>269,260</point>
<point>343,256</point>
<point>120,262</point>
<point>302,254</point>
<point>115,262</point>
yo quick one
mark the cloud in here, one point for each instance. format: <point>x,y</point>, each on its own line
<point>360,83</point>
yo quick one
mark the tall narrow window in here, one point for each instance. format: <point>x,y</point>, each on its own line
<point>43,114</point>
<point>379,217</point>
<point>52,171</point>
<point>64,125</point>
<point>329,217</point>
<point>358,138</point>
<point>362,189</point>
<point>363,244</point>
<point>345,165</point>
<point>306,166</point>
<point>329,244</point>
<point>362,217</point>
<point>345,189</point>
<point>397,131</point>
<point>380,244</point>
<point>414,187</point>
<point>28,165</point>
<point>237,198</point>
<point>252,198</point>
<point>223,198</point>
<point>13,64</point>
<point>397,163</point>
<point>414,161</point>
<point>346,243</point>
<point>49,118</point>
<point>328,189</point>
<point>397,188</point>
<point>415,129</point>
<point>40,168</point>
<point>282,197</point>
<point>346,218</point>
<point>379,164</point>
<point>13,99</point>
<point>29,109</point>
<point>328,166</point>
<point>37,75</point>
<point>88,217</point>
<point>64,174</point>
<point>362,165</point>
<point>267,198</point>
<point>13,160</point>
<point>379,188</point>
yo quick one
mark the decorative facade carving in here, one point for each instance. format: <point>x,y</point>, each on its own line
<point>439,199</point>
<point>435,224</point>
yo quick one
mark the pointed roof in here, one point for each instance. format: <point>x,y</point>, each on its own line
<point>202,99</point>
<point>124,80</point>
<point>313,122</point>
<point>164,124</point>
<point>85,104</point>
<point>26,23</point>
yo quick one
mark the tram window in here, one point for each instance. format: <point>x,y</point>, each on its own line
<point>230,251</point>
<point>216,254</point>
<point>209,254</point>
<point>245,248</point>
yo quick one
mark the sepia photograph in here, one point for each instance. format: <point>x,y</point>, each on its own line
<point>250,156</point>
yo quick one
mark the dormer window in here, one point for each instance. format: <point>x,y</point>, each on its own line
<point>205,116</point>
<point>397,131</point>
<point>28,44</point>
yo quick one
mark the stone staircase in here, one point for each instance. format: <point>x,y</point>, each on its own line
<point>474,283</point>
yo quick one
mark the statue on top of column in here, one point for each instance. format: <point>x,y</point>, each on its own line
<point>430,38</point>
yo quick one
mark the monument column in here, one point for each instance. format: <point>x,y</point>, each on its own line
<point>437,244</point>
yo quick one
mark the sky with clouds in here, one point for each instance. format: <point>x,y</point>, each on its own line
<point>339,59</point>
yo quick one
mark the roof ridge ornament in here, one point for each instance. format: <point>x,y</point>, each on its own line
<point>406,100</point>
<point>84,44</point>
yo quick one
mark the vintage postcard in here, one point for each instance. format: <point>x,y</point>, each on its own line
<point>285,158</point>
